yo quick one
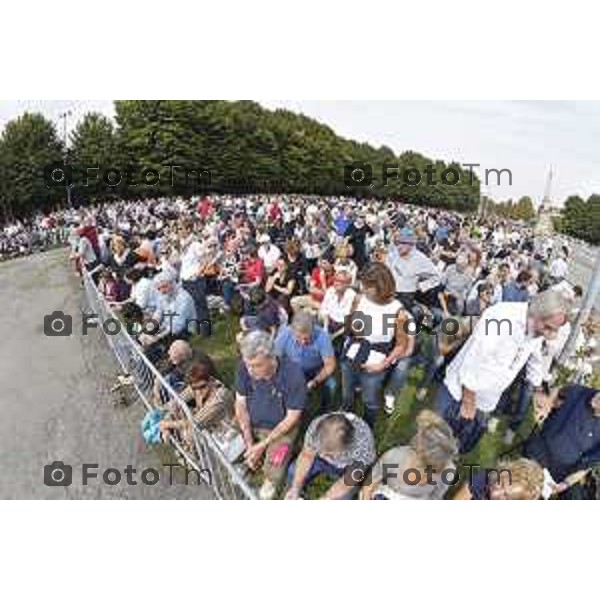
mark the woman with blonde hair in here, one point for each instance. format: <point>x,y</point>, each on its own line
<point>520,479</point>
<point>343,260</point>
<point>121,258</point>
<point>423,470</point>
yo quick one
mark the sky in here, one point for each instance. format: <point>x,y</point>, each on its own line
<point>528,137</point>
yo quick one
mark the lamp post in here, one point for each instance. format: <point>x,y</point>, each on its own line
<point>64,116</point>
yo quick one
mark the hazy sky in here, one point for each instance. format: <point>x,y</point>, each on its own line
<point>525,137</point>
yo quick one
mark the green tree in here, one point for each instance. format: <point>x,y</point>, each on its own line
<point>29,144</point>
<point>92,143</point>
<point>247,149</point>
<point>523,209</point>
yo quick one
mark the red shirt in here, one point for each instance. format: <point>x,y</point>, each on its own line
<point>253,270</point>
<point>322,280</point>
<point>205,207</point>
<point>274,212</point>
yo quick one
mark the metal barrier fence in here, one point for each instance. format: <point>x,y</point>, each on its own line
<point>198,447</point>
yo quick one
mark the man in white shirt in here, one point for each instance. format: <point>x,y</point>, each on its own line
<point>268,253</point>
<point>559,269</point>
<point>507,337</point>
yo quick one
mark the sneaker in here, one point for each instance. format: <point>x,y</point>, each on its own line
<point>509,437</point>
<point>389,403</point>
<point>267,490</point>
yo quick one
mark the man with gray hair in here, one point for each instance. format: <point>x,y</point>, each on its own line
<point>174,315</point>
<point>509,336</point>
<point>409,266</point>
<point>270,397</point>
<point>175,311</point>
<point>457,281</point>
<point>309,345</point>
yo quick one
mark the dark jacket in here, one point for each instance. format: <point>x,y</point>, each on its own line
<point>569,439</point>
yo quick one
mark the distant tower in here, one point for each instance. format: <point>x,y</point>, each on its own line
<point>546,201</point>
<point>543,226</point>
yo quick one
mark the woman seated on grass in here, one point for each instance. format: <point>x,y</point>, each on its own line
<point>339,445</point>
<point>281,284</point>
<point>337,305</point>
<point>420,471</point>
<point>209,401</point>
<point>520,479</point>
<point>378,347</point>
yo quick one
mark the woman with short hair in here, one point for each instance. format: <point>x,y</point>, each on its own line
<point>209,401</point>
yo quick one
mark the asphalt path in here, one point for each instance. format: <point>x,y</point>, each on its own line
<point>55,399</point>
<point>581,265</point>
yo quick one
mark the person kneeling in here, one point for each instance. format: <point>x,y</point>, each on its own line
<point>338,444</point>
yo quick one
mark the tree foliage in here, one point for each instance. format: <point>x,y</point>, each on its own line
<point>245,147</point>
<point>92,143</point>
<point>581,218</point>
<point>522,210</point>
<point>27,145</point>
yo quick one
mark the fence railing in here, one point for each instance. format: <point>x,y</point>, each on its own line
<point>198,447</point>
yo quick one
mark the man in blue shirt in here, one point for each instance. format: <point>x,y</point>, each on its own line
<point>270,397</point>
<point>342,221</point>
<point>568,442</point>
<point>309,345</point>
<point>516,291</point>
<point>174,316</point>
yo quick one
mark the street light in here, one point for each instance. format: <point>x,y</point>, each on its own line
<point>64,116</point>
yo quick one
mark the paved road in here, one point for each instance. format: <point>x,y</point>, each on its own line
<point>581,265</point>
<point>55,402</point>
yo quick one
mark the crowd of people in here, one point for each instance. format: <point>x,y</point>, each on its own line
<point>21,237</point>
<point>340,303</point>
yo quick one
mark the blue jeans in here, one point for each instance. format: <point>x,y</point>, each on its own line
<point>399,375</point>
<point>371,385</point>
<point>326,390</point>
<point>319,467</point>
<point>228,289</point>
<point>467,432</point>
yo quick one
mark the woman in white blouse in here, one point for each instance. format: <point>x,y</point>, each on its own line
<point>337,303</point>
<point>378,340</point>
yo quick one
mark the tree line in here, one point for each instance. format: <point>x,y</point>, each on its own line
<point>172,147</point>
<point>521,210</point>
<point>581,218</point>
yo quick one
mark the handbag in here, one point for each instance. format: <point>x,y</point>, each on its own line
<point>151,426</point>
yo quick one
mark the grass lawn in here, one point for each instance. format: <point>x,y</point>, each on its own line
<point>390,430</point>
